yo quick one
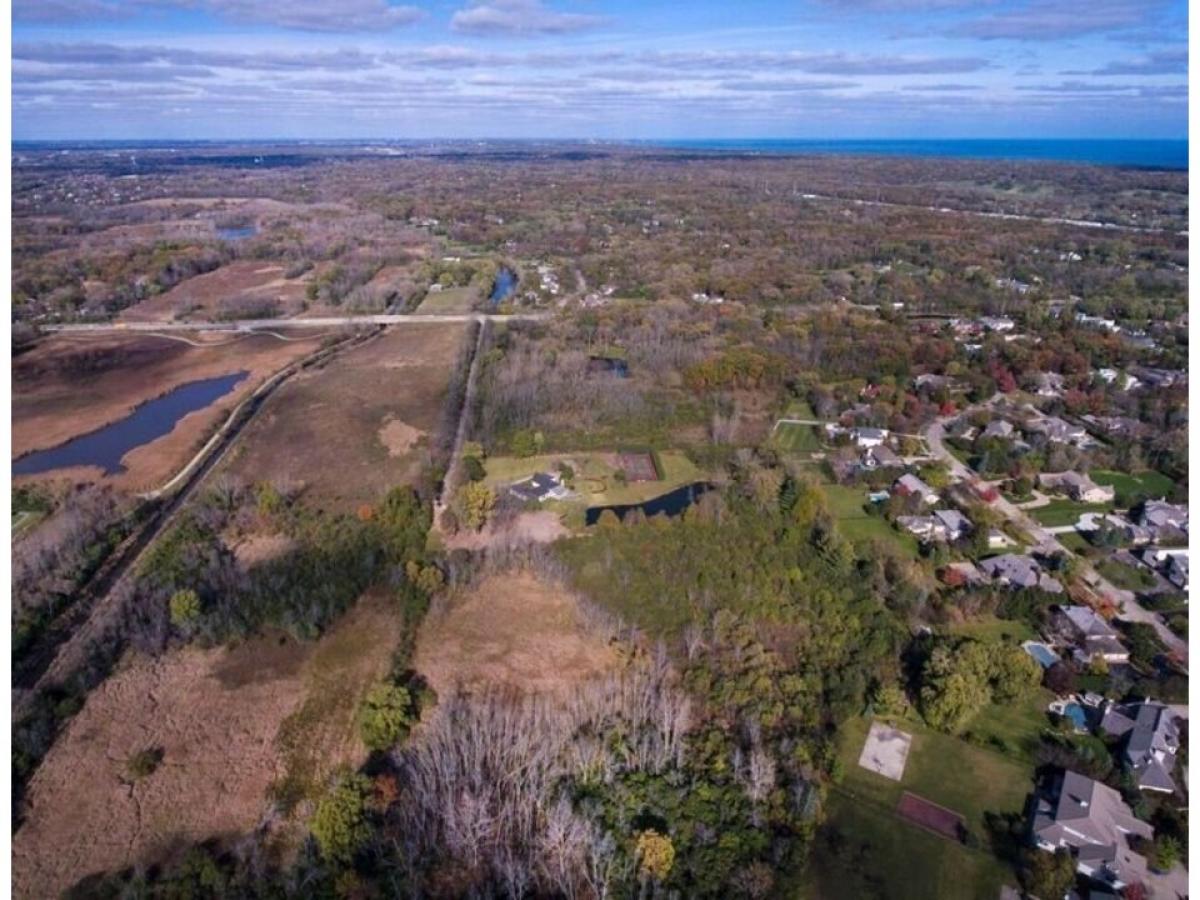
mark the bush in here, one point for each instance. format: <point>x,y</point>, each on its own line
<point>144,763</point>
<point>339,825</point>
<point>185,608</point>
<point>656,854</point>
<point>385,716</point>
<point>474,468</point>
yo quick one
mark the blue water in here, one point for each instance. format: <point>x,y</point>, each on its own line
<point>106,446</point>
<point>672,503</point>
<point>505,284</point>
<point>1158,154</point>
<point>237,233</point>
<point>1077,714</point>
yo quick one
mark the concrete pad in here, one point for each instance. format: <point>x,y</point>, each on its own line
<point>885,751</point>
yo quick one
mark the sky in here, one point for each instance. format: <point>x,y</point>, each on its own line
<point>604,69</point>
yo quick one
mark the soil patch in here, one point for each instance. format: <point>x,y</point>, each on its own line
<point>930,816</point>
<point>222,719</point>
<point>398,437</point>
<point>204,296</point>
<point>513,630</point>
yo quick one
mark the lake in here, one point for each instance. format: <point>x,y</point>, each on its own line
<point>107,446</point>
<point>237,232</point>
<point>503,286</point>
<point>672,503</point>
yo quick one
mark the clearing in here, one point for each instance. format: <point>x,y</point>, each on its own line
<point>1131,489</point>
<point>793,437</point>
<point>207,296</point>
<point>1058,513</point>
<point>67,386</point>
<point>846,505</point>
<point>227,722</point>
<point>512,630</point>
<point>358,426</point>
<point>449,301</point>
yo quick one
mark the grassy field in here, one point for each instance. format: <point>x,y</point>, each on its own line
<point>450,301</point>
<point>794,438</point>
<point>990,628</point>
<point>846,506</point>
<point>1065,512</point>
<point>908,861</point>
<point>595,475</point>
<point>1126,577</point>
<point>1073,541</point>
<point>1133,488</point>
<point>799,409</point>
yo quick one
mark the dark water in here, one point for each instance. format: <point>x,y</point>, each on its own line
<point>608,365</point>
<point>503,286</point>
<point>672,504</point>
<point>106,446</point>
<point>1155,154</point>
<point>237,232</point>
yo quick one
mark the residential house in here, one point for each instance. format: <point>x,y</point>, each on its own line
<point>1171,562</point>
<point>998,540</point>
<point>1049,384</point>
<point>1091,821</point>
<point>1091,635</point>
<point>1160,378</point>
<point>997,323</point>
<point>1058,431</point>
<point>1123,380</point>
<point>1164,519</point>
<point>869,437</point>
<point>963,573</point>
<point>1151,733</point>
<point>911,484</point>
<point>542,486</point>
<point>931,382</point>
<point>927,528</point>
<point>882,457</point>
<point>1077,487</point>
<point>954,524</point>
<point>998,428</point>
<point>1019,571</point>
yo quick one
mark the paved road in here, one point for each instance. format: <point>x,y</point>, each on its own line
<point>1048,543</point>
<point>260,324</point>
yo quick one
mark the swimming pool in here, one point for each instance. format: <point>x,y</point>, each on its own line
<point>1043,654</point>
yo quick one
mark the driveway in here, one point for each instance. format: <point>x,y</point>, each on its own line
<point>1047,543</point>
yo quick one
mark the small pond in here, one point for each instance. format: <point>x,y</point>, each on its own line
<point>237,232</point>
<point>672,503</point>
<point>106,447</point>
<point>503,286</point>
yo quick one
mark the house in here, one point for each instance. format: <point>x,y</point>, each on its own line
<point>882,457</point>
<point>998,540</point>
<point>931,382</point>
<point>1160,378</point>
<point>1019,571</point>
<point>869,437</point>
<point>911,484</point>
<point>963,573</point>
<point>1160,516</point>
<point>539,487</point>
<point>1077,487</point>
<point>1171,562</point>
<point>1177,571</point>
<point>998,428</point>
<point>1092,636</point>
<point>1091,821</point>
<point>927,528</point>
<point>1123,380</point>
<point>1151,733</point>
<point>1058,431</point>
<point>1049,384</point>
<point>997,323</point>
<point>954,524</point>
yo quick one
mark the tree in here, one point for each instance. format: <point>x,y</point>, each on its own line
<point>474,468</point>
<point>655,853</point>
<point>385,716</point>
<point>145,762</point>
<point>475,504</point>
<point>948,703</point>
<point>185,608</point>
<point>1014,673</point>
<point>523,443</point>
<point>1060,678</point>
<point>1049,875</point>
<point>339,824</point>
<point>1166,853</point>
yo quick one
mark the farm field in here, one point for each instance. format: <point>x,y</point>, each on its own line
<point>221,718</point>
<point>358,426</point>
<point>69,386</point>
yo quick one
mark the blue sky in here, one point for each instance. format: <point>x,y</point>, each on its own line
<point>594,69</point>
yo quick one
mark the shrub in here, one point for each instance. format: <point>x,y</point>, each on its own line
<point>385,716</point>
<point>339,825</point>
<point>144,763</point>
<point>656,854</point>
<point>474,468</point>
<point>185,608</point>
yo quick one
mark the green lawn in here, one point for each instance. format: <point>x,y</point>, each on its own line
<point>990,628</point>
<point>595,478</point>
<point>1074,541</point>
<point>846,506</point>
<point>1065,512</point>
<point>799,409</point>
<point>1131,489</point>
<point>450,301</point>
<point>795,438</point>
<point>1124,576</point>
<point>880,857</point>
<point>880,854</point>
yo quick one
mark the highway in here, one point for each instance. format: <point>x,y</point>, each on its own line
<point>265,324</point>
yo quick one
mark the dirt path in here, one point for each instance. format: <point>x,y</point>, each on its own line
<point>453,473</point>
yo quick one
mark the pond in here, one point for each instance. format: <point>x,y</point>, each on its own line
<point>107,446</point>
<point>672,503</point>
<point>237,232</point>
<point>503,286</point>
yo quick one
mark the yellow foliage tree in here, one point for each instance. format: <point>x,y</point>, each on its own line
<point>656,854</point>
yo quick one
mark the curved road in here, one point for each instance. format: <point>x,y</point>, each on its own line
<point>1047,542</point>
